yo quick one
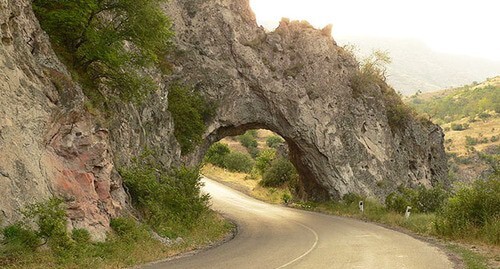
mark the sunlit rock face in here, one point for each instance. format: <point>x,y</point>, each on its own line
<point>296,82</point>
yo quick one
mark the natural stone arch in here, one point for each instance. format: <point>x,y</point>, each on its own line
<point>297,82</point>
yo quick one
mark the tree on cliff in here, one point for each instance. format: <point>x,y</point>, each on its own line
<point>110,41</point>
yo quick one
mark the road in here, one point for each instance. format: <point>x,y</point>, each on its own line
<point>271,236</point>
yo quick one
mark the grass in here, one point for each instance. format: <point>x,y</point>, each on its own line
<point>471,260</point>
<point>121,251</point>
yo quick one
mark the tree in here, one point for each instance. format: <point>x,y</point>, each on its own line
<point>217,153</point>
<point>110,41</point>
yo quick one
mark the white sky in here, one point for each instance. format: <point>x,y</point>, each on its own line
<point>468,27</point>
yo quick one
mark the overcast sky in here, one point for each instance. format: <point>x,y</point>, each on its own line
<point>467,27</point>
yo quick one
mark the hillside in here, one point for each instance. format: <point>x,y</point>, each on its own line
<point>470,118</point>
<point>416,67</point>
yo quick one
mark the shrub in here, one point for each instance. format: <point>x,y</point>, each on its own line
<point>459,127</point>
<point>238,162</point>
<point>170,202</point>
<point>189,111</point>
<point>274,141</point>
<point>420,199</point>
<point>351,198</point>
<point>80,236</point>
<point>50,218</point>
<point>473,211</point>
<point>17,239</point>
<point>280,172</point>
<point>264,160</point>
<point>248,140</point>
<point>217,154</point>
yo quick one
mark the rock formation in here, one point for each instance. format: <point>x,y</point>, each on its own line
<point>294,81</point>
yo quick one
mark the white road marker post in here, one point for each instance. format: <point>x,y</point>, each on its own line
<point>361,206</point>
<point>407,213</point>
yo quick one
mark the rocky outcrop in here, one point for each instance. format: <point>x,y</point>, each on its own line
<point>294,81</point>
<point>49,145</point>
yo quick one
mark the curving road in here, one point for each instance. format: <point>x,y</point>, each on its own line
<point>272,236</point>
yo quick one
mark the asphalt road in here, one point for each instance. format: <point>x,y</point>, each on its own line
<point>271,236</point>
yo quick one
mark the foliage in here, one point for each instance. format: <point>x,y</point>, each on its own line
<point>110,41</point>
<point>238,162</point>
<point>419,199</point>
<point>280,172</point>
<point>170,202</point>
<point>248,140</point>
<point>217,154</point>
<point>17,240</point>
<point>351,198</point>
<point>274,141</point>
<point>264,160</point>
<point>190,111</point>
<point>473,211</point>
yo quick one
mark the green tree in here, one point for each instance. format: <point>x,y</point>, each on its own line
<point>280,172</point>
<point>110,41</point>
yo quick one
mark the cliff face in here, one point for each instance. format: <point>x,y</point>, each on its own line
<point>295,81</point>
<point>49,145</point>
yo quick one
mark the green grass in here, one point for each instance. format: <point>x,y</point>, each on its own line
<point>125,249</point>
<point>471,260</point>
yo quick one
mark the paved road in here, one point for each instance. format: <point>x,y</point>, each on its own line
<point>272,236</point>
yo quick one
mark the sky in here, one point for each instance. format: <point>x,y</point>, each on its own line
<point>466,27</point>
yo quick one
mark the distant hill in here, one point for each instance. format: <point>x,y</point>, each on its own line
<point>416,67</point>
<point>472,101</point>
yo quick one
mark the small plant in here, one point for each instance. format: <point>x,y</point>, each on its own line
<point>459,127</point>
<point>286,198</point>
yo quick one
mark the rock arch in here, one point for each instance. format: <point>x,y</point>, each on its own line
<point>296,82</point>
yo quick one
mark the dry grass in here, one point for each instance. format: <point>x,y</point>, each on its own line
<point>243,183</point>
<point>487,129</point>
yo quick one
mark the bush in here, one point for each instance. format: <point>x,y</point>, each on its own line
<point>17,239</point>
<point>274,141</point>
<point>217,154</point>
<point>280,172</point>
<point>264,160</point>
<point>170,202</point>
<point>80,236</point>
<point>50,218</point>
<point>420,199</point>
<point>238,162</point>
<point>351,198</point>
<point>473,211</point>
<point>459,127</point>
<point>248,140</point>
<point>189,111</point>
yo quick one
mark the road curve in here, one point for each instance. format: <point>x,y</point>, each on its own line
<point>274,237</point>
